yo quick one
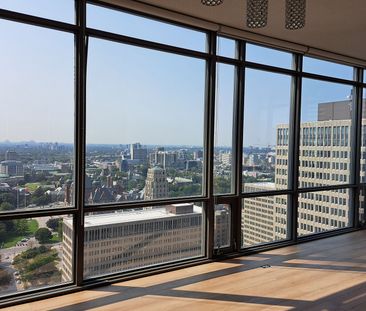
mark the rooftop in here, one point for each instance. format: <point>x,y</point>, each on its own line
<point>119,217</point>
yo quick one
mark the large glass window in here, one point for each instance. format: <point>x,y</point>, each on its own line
<point>37,124</point>
<point>323,211</point>
<point>143,145</point>
<point>224,129</point>
<point>131,239</point>
<point>325,134</point>
<point>35,253</point>
<point>266,131</point>
<point>363,141</point>
<point>144,28</point>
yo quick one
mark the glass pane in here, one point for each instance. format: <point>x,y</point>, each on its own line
<point>362,207</point>
<point>61,10</point>
<point>144,28</point>
<point>264,220</point>
<point>327,68</point>
<point>37,134</point>
<point>323,211</point>
<point>325,141</point>
<point>144,124</point>
<point>142,237</point>
<point>222,226</point>
<point>224,128</point>
<point>363,141</point>
<point>226,47</point>
<point>268,56</point>
<point>266,131</point>
<point>35,253</point>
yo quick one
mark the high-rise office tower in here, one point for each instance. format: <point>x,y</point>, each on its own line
<point>325,154</point>
<point>11,155</point>
<point>138,152</point>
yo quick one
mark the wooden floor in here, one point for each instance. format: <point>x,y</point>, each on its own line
<point>329,274</point>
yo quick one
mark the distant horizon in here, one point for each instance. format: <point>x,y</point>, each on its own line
<point>33,142</point>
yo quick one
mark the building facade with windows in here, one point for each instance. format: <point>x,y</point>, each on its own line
<point>128,240</point>
<point>324,160</point>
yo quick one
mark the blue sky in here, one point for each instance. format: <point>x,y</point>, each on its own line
<point>136,94</point>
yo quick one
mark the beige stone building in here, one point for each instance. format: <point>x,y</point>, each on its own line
<point>156,185</point>
<point>325,154</point>
<point>121,241</point>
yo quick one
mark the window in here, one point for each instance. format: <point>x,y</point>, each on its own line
<point>268,56</point>
<point>322,67</point>
<point>363,140</point>
<point>266,129</point>
<point>226,47</point>
<point>35,253</point>
<point>335,201</point>
<point>37,134</point>
<point>144,28</point>
<point>222,226</point>
<point>143,145</point>
<point>61,10</point>
<point>324,106</point>
<point>264,220</point>
<point>223,162</point>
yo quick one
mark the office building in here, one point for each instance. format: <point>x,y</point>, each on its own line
<point>11,155</point>
<point>133,239</point>
<point>324,160</point>
<point>11,168</point>
<point>138,153</point>
<point>164,159</point>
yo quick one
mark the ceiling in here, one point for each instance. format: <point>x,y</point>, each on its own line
<point>337,26</point>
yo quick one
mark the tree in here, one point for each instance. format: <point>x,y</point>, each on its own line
<point>3,231</point>
<point>6,226</point>
<point>42,200</point>
<point>8,198</point>
<point>21,226</point>
<point>43,235</point>
<point>5,206</point>
<point>38,192</point>
<point>53,223</point>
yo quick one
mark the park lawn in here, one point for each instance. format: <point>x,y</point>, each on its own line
<point>32,226</point>
<point>55,239</point>
<point>13,238</point>
<point>32,186</point>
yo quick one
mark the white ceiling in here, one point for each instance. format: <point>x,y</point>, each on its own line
<point>337,26</point>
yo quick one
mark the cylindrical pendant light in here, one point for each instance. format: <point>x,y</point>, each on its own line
<point>257,13</point>
<point>295,14</point>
